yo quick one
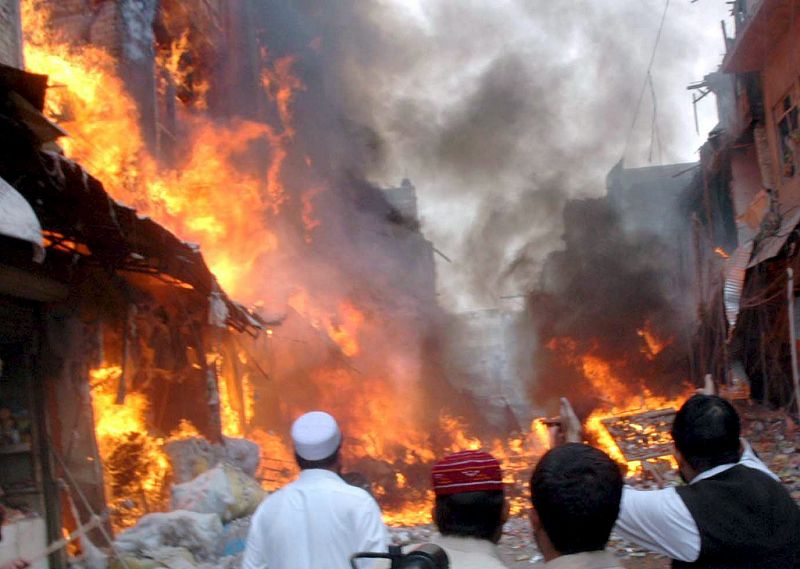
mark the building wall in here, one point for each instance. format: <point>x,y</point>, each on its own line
<point>490,358</point>
<point>80,22</point>
<point>780,76</point>
<point>10,33</point>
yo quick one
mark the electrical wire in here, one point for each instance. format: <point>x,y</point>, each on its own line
<point>646,77</point>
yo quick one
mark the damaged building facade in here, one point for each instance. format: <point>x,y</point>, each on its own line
<point>98,305</point>
<point>745,207</point>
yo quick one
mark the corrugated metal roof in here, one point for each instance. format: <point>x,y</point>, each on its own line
<point>735,268</point>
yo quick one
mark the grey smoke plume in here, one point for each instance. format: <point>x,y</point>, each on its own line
<point>499,111</point>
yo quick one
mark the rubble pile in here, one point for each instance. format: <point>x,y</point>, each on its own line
<point>775,437</point>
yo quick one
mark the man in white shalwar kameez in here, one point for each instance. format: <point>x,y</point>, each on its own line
<point>318,521</point>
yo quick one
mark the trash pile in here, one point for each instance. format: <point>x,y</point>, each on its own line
<point>212,502</point>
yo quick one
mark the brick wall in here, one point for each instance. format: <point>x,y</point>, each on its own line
<point>10,34</point>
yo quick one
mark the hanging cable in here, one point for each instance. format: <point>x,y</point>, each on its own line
<point>646,78</point>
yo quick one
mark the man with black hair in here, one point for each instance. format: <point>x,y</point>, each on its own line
<point>318,521</point>
<point>575,493</point>
<point>733,512</point>
<point>470,509</point>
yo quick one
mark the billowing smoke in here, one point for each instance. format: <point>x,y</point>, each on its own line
<point>599,296</point>
<point>500,111</point>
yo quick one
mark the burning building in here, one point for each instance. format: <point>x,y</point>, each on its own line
<point>111,328</point>
<point>146,127</point>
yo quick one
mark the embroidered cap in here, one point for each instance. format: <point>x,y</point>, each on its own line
<point>316,435</point>
<point>466,471</point>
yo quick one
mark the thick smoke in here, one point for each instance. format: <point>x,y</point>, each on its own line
<point>601,292</point>
<point>501,109</point>
<point>502,113</point>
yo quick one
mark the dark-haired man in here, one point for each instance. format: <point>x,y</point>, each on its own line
<point>733,513</point>
<point>575,493</point>
<point>317,521</point>
<point>470,509</point>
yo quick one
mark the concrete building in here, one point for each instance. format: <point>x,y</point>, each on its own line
<point>491,360</point>
<point>10,33</point>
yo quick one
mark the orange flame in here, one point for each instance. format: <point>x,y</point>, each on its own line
<point>653,346</point>
<point>342,328</point>
<point>135,466</point>
<point>620,397</point>
<point>89,100</point>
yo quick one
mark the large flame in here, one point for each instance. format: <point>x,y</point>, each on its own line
<point>206,196</point>
<point>618,397</point>
<point>207,199</point>
<point>135,466</point>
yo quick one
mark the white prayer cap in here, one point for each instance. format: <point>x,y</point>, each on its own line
<point>316,435</point>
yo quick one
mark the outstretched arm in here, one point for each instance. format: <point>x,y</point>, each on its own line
<point>659,521</point>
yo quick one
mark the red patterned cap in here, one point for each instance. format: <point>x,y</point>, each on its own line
<point>466,471</point>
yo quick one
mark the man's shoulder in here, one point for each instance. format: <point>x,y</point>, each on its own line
<point>351,493</point>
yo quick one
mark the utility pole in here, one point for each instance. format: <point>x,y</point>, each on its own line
<point>793,337</point>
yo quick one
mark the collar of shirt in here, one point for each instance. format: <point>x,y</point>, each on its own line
<point>466,544</point>
<point>712,472</point>
<point>584,560</point>
<point>319,474</point>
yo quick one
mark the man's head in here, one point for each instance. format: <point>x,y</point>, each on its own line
<point>317,440</point>
<point>470,501</point>
<point>706,434</point>
<point>575,492</point>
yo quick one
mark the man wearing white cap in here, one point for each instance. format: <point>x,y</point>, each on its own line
<point>317,521</point>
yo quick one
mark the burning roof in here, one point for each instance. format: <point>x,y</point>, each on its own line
<point>77,215</point>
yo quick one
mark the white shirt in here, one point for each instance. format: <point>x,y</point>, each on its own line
<point>658,520</point>
<point>316,522</point>
<point>585,560</point>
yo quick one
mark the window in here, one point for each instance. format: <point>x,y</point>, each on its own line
<point>788,133</point>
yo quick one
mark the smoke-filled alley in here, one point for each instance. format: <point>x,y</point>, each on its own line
<point>251,251</point>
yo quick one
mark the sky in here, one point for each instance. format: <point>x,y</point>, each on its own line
<point>501,110</point>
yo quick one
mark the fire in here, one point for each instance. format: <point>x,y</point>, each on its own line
<point>135,466</point>
<point>310,222</point>
<point>618,397</point>
<point>540,433</point>
<point>194,200</point>
<point>721,252</point>
<point>653,346</point>
<point>206,196</point>
<point>342,327</point>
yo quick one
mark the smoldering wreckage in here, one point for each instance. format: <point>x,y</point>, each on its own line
<point>143,411</point>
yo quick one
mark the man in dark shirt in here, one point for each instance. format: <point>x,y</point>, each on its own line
<point>733,512</point>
